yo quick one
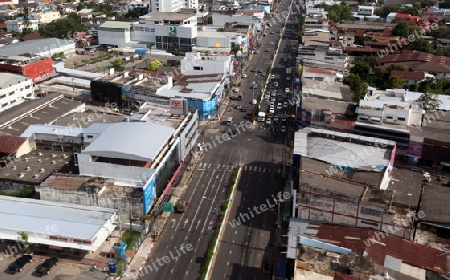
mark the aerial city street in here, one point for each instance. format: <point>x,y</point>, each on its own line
<point>280,139</point>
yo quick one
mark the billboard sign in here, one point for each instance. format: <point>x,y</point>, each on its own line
<point>415,149</point>
<point>303,117</point>
<point>149,194</point>
<point>176,106</point>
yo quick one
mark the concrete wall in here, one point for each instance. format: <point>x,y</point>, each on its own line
<point>118,37</point>
<point>119,173</point>
<point>128,207</point>
<point>25,148</point>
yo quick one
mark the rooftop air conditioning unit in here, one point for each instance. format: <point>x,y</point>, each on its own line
<point>42,170</point>
<point>14,167</point>
<point>21,175</point>
<point>53,162</point>
<point>27,168</point>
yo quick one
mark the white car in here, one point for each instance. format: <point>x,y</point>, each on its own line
<point>286,90</point>
<point>272,103</point>
<point>272,109</point>
<point>254,102</point>
<point>279,106</point>
<point>272,76</point>
<point>273,99</point>
<point>244,76</point>
<point>273,94</point>
<point>266,98</point>
<point>288,78</point>
<point>268,121</point>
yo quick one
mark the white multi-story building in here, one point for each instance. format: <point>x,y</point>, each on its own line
<point>18,25</point>
<point>366,10</point>
<point>172,32</point>
<point>197,64</point>
<point>13,90</point>
<point>172,5</point>
<point>114,33</point>
<point>46,17</point>
<point>221,41</point>
<point>389,107</point>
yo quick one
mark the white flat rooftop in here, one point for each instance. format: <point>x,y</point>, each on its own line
<point>69,220</point>
<point>344,153</point>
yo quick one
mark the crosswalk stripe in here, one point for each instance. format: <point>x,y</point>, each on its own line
<point>259,169</point>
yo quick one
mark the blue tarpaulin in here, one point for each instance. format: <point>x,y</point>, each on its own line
<point>140,51</point>
<point>282,269</point>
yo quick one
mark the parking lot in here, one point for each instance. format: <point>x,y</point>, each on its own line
<point>62,271</point>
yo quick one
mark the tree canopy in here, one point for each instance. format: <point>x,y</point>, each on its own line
<point>154,65</point>
<point>337,12</point>
<point>63,28</point>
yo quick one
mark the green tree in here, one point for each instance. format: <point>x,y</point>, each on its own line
<point>395,82</point>
<point>117,65</point>
<point>154,65</point>
<point>357,86</point>
<point>430,101</point>
<point>421,45</point>
<point>24,239</point>
<point>62,28</point>
<point>401,29</point>
<point>362,69</point>
<point>337,12</point>
<point>441,32</point>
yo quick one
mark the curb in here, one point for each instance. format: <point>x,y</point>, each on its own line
<point>136,273</point>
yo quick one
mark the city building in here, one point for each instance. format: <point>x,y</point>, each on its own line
<point>46,16</point>
<point>114,33</point>
<point>322,251</point>
<point>14,89</point>
<point>200,64</point>
<point>52,224</point>
<point>153,154</point>
<point>221,42</point>
<point>172,32</point>
<point>42,48</point>
<point>172,6</point>
<point>34,68</point>
<point>92,20</point>
<point>390,108</point>
<point>338,186</point>
<point>366,10</point>
<point>17,26</point>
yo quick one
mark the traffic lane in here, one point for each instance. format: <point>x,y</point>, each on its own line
<point>191,229</point>
<point>244,248</point>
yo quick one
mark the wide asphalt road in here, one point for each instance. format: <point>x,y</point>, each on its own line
<point>248,248</point>
<point>187,235</point>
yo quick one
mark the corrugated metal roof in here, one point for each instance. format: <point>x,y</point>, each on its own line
<point>52,129</point>
<point>10,144</point>
<point>31,215</point>
<point>131,140</point>
<point>32,47</point>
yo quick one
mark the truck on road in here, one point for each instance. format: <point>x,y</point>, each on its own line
<point>261,116</point>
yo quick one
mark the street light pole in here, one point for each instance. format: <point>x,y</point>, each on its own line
<point>239,155</point>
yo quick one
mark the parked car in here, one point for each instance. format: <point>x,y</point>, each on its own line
<point>236,90</point>
<point>283,129</point>
<point>273,94</point>
<point>272,76</point>
<point>285,105</point>
<point>243,109</point>
<point>268,121</point>
<point>46,267</point>
<point>275,119</point>
<point>283,118</point>
<point>19,263</point>
<point>279,106</point>
<point>254,102</point>
<point>286,90</point>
